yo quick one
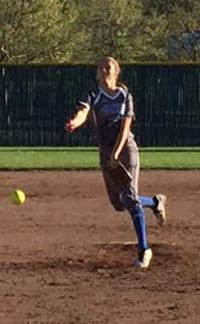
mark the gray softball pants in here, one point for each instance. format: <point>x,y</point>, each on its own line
<point>122,197</point>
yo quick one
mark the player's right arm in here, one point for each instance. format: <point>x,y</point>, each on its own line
<point>78,118</point>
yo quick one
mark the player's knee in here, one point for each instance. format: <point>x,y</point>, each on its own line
<point>119,208</point>
<point>137,210</point>
<point>118,204</point>
<point>130,202</point>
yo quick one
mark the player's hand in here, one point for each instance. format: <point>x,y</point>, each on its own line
<point>70,125</point>
<point>113,159</point>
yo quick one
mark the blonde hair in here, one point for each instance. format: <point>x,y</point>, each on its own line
<point>117,68</point>
<point>110,59</point>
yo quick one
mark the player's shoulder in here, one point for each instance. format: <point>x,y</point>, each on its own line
<point>88,96</point>
<point>94,91</point>
<point>129,95</point>
<point>126,93</point>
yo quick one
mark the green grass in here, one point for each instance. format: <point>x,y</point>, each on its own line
<point>12,158</point>
<point>170,160</point>
<point>48,159</point>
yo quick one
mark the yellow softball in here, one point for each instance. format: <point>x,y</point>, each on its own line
<point>17,197</point>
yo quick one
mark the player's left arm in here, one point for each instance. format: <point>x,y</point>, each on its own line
<point>122,137</point>
<point>126,123</point>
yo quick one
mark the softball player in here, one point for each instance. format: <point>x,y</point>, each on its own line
<point>112,109</point>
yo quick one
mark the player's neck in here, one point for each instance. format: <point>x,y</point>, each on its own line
<point>109,86</point>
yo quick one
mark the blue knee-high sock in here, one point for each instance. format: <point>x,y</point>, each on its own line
<point>147,201</point>
<point>138,218</point>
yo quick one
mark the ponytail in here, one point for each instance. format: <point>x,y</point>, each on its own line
<point>122,85</point>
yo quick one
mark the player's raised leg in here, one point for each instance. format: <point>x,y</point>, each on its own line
<point>157,204</point>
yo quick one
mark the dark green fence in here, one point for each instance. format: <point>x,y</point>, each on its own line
<point>36,100</point>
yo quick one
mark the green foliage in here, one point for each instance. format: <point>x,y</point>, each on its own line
<point>163,7</point>
<point>150,43</point>
<point>183,24</point>
<point>38,31</point>
<point>112,24</point>
<point>56,31</point>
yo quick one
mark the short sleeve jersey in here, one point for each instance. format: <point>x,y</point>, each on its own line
<point>108,112</point>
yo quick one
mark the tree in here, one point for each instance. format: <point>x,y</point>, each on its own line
<point>56,31</point>
<point>184,33</point>
<point>33,31</point>
<point>121,29</point>
<point>110,25</point>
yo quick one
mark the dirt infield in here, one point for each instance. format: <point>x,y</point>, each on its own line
<point>66,257</point>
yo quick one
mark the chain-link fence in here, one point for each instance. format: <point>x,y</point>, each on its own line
<point>36,100</point>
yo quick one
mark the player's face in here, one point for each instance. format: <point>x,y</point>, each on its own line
<point>106,71</point>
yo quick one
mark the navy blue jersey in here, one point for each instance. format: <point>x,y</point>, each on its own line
<point>108,112</point>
